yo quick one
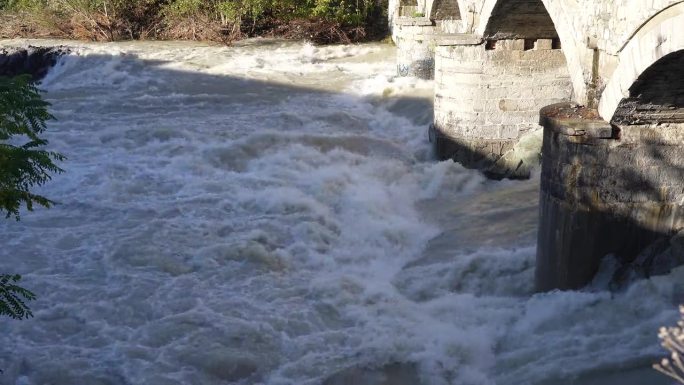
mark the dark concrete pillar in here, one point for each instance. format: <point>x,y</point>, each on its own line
<point>604,190</point>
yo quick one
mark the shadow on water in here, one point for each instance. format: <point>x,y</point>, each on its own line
<point>156,91</point>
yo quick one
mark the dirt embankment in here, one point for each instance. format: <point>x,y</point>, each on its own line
<point>101,27</point>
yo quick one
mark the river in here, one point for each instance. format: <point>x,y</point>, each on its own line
<point>271,213</point>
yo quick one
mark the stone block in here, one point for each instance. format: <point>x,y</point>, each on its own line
<point>508,131</point>
<point>543,44</point>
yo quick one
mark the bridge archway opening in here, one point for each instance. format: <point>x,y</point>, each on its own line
<point>656,96</point>
<point>445,10</point>
<point>408,8</point>
<point>521,19</point>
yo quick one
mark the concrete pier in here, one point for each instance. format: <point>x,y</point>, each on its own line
<point>605,190</point>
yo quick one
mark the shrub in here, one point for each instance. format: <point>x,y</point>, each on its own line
<point>672,339</point>
<point>222,20</point>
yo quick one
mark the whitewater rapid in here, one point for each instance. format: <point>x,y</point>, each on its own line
<point>271,213</point>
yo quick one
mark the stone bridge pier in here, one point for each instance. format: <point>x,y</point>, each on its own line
<point>416,27</point>
<point>487,98</point>
<point>491,83</point>
<point>613,177</point>
<point>608,78</point>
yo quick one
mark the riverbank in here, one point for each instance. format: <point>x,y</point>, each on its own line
<point>215,21</point>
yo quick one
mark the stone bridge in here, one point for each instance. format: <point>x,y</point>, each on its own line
<point>608,78</point>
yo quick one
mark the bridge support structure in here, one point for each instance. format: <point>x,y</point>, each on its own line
<point>487,97</point>
<point>612,173</point>
<point>415,40</point>
<point>606,189</point>
<point>416,28</point>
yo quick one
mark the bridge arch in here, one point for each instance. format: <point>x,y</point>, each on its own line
<point>555,24</point>
<point>444,9</point>
<point>516,19</point>
<point>660,38</point>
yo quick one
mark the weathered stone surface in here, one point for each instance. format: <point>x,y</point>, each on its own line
<point>416,30</point>
<point>518,162</point>
<point>604,195</point>
<point>415,48</point>
<point>658,258</point>
<point>606,44</point>
<point>35,61</point>
<point>606,188</point>
<point>487,98</point>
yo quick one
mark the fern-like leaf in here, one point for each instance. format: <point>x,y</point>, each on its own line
<point>13,297</point>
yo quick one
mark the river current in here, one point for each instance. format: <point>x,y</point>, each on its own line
<point>271,213</point>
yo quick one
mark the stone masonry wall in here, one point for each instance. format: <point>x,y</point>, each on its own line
<point>582,26</point>
<point>604,190</point>
<point>610,23</point>
<point>415,47</point>
<point>416,29</point>
<point>485,99</point>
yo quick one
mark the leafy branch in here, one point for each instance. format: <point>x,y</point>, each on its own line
<point>23,162</point>
<point>13,298</point>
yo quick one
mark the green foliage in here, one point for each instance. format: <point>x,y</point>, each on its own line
<point>183,8</point>
<point>13,298</point>
<point>17,5</point>
<point>23,162</point>
<point>353,12</point>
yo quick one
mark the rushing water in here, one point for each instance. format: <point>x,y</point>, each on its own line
<point>270,214</point>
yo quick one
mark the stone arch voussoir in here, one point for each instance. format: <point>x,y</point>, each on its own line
<point>659,37</point>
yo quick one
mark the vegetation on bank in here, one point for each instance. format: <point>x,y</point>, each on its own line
<point>322,21</point>
<point>672,339</point>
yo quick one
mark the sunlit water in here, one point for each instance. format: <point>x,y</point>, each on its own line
<point>271,214</point>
